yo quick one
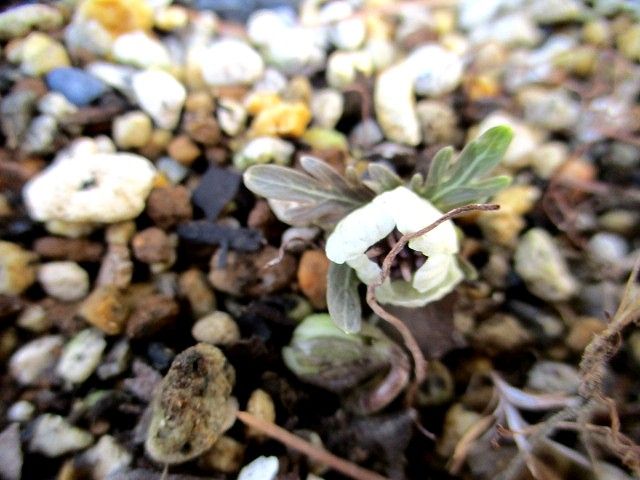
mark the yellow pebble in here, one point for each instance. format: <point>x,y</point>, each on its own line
<point>260,405</point>
<point>118,16</point>
<point>171,18</point>
<point>628,42</point>
<point>259,101</point>
<point>482,86</point>
<point>287,119</point>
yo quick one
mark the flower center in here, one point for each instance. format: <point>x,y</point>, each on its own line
<point>406,262</point>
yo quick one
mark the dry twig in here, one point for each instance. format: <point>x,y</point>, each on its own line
<point>316,453</point>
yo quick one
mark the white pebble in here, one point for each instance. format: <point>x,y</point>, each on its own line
<point>98,187</point>
<point>66,281</point>
<point>262,468</point>
<point>53,436</point>
<point>608,247</point>
<point>230,62</point>
<point>132,130</point>
<point>30,362</point>
<point>21,411</point>
<point>81,356</point>
<point>106,457</point>
<point>437,71</point>
<point>327,106</point>
<point>295,50</point>
<point>343,68</point>
<point>231,115</point>
<point>262,24</point>
<point>160,95</point>
<point>57,106</point>
<point>264,150</point>
<point>140,50</point>
<point>217,328</point>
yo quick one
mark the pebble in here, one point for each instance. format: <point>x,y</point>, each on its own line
<point>56,105</point>
<point>327,106</point>
<point>231,116</point>
<point>116,361</point>
<point>29,364</point>
<point>38,54</point>
<point>216,328</point>
<point>41,135</point>
<point>263,24</point>
<point>264,150</point>
<point>504,225</point>
<point>81,356</point>
<point>17,111</point>
<point>11,456</point>
<point>34,319</point>
<point>53,436</point>
<point>169,206</point>
<point>458,420</point>
<point>140,50</point>
<point>628,42</point>
<point>106,309</point>
<point>99,187</point>
<point>438,123</point>
<point>285,119</point>
<point>132,130</point>
<point>225,456</point>
<point>117,268</point>
<point>193,285</point>
<point>174,171</point>
<point>117,16</point>
<point>150,315</point>
<point>343,68</point>
<point>436,71</point>
<point>515,30</point>
<point>260,405</point>
<point>608,248</point>
<point>550,109</point>
<point>543,268</point>
<point>239,278</point>
<point>66,281</point>
<point>554,377</point>
<point>106,458</point>
<point>153,245</point>
<point>144,382</point>
<point>395,105</point>
<point>582,332</point>
<point>312,277</point>
<point>21,411</point>
<point>19,20</point>
<point>190,407</point>
<point>202,128</point>
<point>160,95</point>
<point>183,150</point>
<point>295,51</point>
<point>619,221</point>
<point>230,62</point>
<point>548,158</point>
<point>171,18</point>
<point>78,86</point>
<point>17,268</point>
<point>366,134</point>
<point>501,333</point>
<point>262,468</point>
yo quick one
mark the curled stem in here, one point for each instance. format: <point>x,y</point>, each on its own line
<point>318,454</point>
<point>419,362</point>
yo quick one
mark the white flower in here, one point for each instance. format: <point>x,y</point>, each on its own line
<point>402,209</point>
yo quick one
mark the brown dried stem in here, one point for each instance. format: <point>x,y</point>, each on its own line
<point>318,454</point>
<point>419,361</point>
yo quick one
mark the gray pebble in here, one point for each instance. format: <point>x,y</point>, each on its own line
<point>53,436</point>
<point>33,359</point>
<point>21,411</point>
<point>608,247</point>
<point>554,377</point>
<point>81,356</point>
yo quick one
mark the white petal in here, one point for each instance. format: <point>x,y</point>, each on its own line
<point>367,270</point>
<point>359,230</point>
<point>435,272</point>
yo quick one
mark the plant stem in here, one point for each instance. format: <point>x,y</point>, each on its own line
<point>316,453</point>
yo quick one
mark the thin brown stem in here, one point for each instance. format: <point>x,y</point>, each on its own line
<point>420,364</point>
<point>316,453</point>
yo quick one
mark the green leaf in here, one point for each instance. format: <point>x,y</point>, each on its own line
<point>482,155</point>
<point>383,178</point>
<point>343,300</point>
<point>311,195</point>
<point>438,169</point>
<point>475,193</point>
